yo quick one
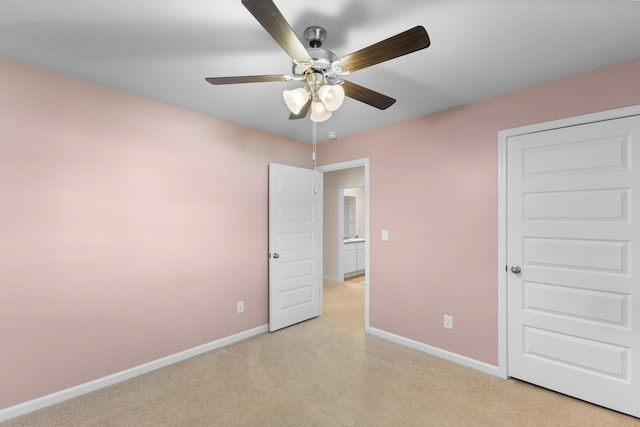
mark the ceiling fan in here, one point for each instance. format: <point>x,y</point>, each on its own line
<point>320,69</point>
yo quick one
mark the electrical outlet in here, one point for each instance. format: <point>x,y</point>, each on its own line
<point>448,321</point>
<point>240,306</point>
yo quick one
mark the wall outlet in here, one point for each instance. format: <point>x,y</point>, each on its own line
<point>240,306</point>
<point>448,321</point>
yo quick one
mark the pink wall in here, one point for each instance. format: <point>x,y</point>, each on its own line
<point>441,257</point>
<point>129,230</point>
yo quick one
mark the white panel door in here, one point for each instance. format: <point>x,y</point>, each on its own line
<point>295,245</point>
<point>571,232</point>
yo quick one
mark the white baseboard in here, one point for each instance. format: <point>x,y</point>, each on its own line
<point>331,279</point>
<point>79,390</point>
<point>443,354</point>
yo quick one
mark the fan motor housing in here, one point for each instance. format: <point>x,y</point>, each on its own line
<point>322,60</point>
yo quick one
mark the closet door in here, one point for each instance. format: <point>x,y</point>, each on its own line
<point>573,281</point>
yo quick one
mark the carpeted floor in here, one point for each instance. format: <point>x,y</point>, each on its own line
<point>323,372</point>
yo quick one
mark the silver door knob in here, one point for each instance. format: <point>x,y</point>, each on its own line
<point>276,255</point>
<point>515,269</point>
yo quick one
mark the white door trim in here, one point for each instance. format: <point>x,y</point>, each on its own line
<point>503,137</point>
<point>340,237</point>
<point>367,223</point>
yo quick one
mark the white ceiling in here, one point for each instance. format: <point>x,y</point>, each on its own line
<point>164,49</point>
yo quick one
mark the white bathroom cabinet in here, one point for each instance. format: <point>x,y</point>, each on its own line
<point>354,257</point>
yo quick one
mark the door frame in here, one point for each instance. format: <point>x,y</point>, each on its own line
<point>367,224</point>
<point>503,138</point>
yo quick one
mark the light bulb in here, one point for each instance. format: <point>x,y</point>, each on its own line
<point>331,96</point>
<point>296,99</point>
<point>319,112</point>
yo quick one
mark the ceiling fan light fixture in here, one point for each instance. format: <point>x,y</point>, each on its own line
<point>331,96</point>
<point>319,112</point>
<point>295,99</point>
<point>316,66</point>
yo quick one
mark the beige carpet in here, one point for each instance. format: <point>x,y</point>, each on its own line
<point>324,372</point>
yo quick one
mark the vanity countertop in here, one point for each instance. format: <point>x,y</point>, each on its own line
<point>354,240</point>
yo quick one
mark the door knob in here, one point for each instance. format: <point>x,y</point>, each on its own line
<point>276,255</point>
<point>515,269</point>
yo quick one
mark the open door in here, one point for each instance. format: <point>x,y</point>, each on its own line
<point>295,245</point>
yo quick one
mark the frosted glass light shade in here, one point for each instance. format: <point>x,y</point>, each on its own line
<point>331,96</point>
<point>295,99</point>
<point>319,112</point>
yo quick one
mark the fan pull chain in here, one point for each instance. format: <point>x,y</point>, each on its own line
<point>315,189</point>
<point>313,157</point>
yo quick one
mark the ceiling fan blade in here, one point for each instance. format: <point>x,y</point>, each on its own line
<point>401,44</point>
<point>368,96</point>
<point>248,79</point>
<point>303,111</point>
<point>268,15</point>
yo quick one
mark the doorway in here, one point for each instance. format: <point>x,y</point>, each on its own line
<point>331,235</point>
<point>351,225</point>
